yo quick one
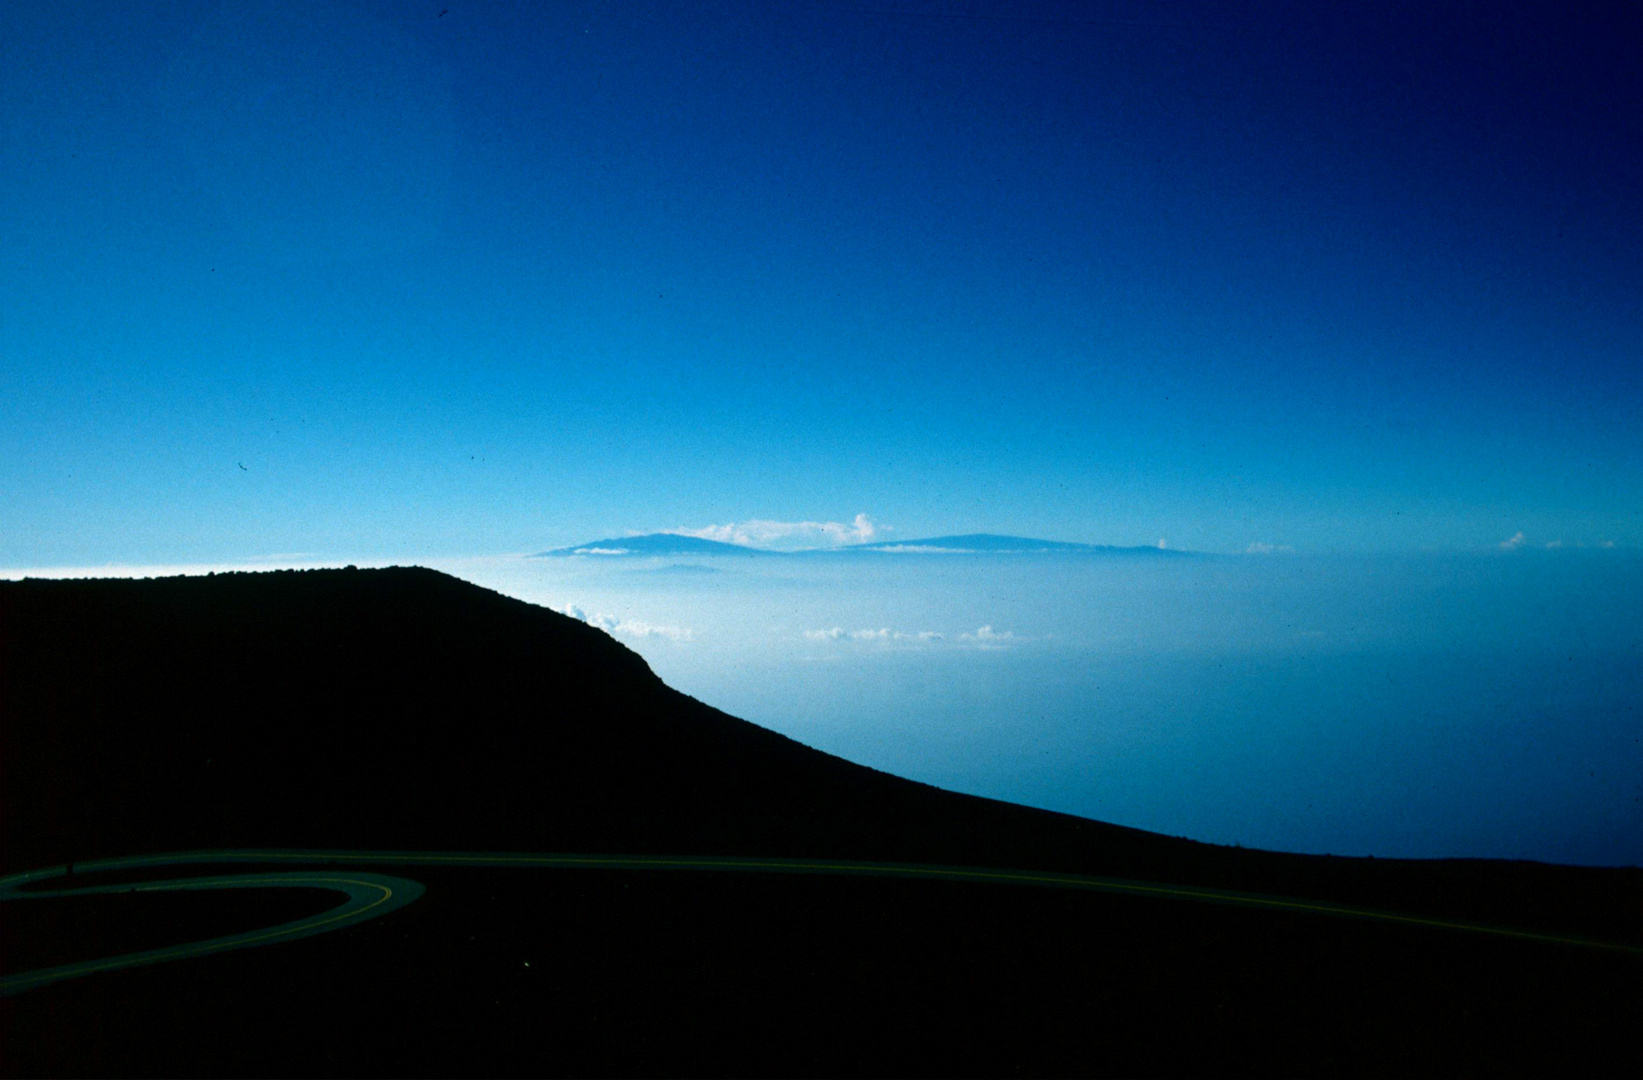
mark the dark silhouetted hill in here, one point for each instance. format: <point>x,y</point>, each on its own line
<point>406,709</point>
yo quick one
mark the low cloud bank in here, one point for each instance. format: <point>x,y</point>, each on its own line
<point>985,636</point>
<point>922,549</point>
<point>1518,540</point>
<point>628,627</point>
<point>838,633</point>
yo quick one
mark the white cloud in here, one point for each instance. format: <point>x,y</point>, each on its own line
<point>923,549</point>
<point>601,551</point>
<point>1259,548</point>
<point>788,534</point>
<point>884,633</point>
<point>988,636</point>
<point>1513,544</point>
<point>634,628</point>
<point>1554,545</point>
<point>629,627</point>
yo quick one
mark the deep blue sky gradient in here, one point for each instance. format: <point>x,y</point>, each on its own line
<point>358,280</point>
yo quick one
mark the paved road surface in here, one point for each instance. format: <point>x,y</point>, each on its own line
<point>368,895</point>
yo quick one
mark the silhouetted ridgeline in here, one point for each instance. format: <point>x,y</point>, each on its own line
<point>405,709</point>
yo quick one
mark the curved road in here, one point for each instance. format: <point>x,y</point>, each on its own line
<point>369,895</point>
<point>365,896</point>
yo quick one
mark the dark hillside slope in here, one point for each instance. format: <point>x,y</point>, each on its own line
<point>405,709</point>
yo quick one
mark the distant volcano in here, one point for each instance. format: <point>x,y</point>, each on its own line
<point>655,544</point>
<point>968,544</point>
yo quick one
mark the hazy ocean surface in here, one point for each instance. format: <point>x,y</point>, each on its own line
<point>1430,705</point>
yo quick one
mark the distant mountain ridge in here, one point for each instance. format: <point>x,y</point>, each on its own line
<point>968,543</point>
<point>654,544</point>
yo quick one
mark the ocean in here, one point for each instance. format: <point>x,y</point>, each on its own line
<point>1426,705</point>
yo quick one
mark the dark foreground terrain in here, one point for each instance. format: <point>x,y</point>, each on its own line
<point>403,710</point>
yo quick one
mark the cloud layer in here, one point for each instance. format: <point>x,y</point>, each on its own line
<point>985,636</point>
<point>1518,540</point>
<point>838,633</point>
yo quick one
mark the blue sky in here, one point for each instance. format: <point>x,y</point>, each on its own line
<point>366,281</point>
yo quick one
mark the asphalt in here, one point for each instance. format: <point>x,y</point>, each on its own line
<point>364,896</point>
<point>368,895</point>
